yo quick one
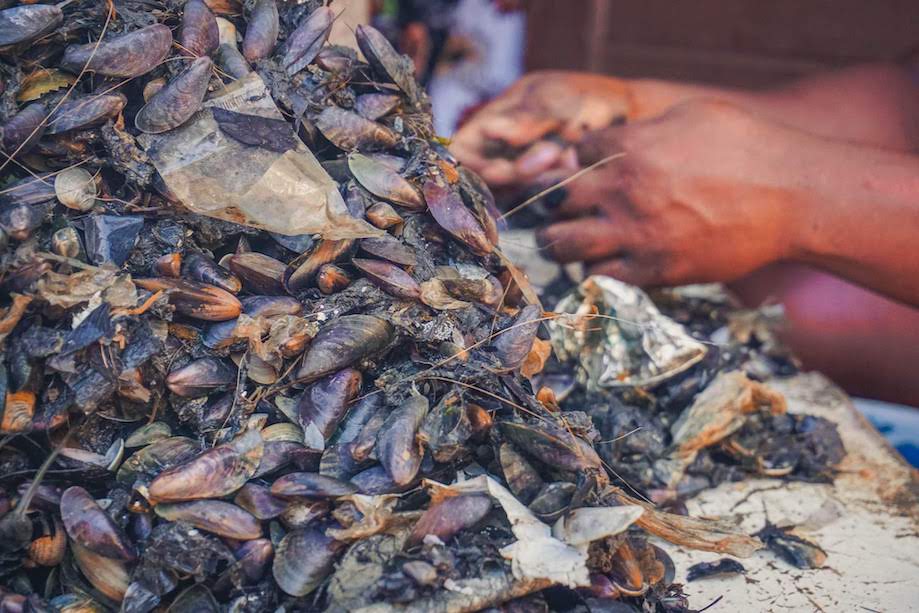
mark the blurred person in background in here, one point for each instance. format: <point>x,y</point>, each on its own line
<point>805,194</point>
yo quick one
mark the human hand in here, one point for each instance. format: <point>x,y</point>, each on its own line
<point>560,105</point>
<point>704,193</point>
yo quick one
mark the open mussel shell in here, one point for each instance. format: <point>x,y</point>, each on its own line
<point>201,377</point>
<point>449,516</point>
<point>76,189</point>
<point>85,112</point>
<point>324,403</point>
<point>385,60</point>
<point>262,274</point>
<point>389,277</point>
<point>156,457</point>
<point>305,42</point>
<point>198,33</point>
<point>261,31</point>
<point>522,479</point>
<point>397,445</point>
<point>199,267</point>
<point>344,342</point>
<point>449,211</point>
<point>331,279</point>
<point>513,344</point>
<point>18,412</point>
<point>311,485</point>
<point>128,55</point>
<point>349,131</point>
<point>21,24</point>
<point>325,252</point>
<point>304,558</point>
<point>175,104</point>
<point>49,548</point>
<point>214,516</point>
<point>214,473</point>
<point>384,182</point>
<point>91,527</point>
<point>196,300</point>
<point>23,130</point>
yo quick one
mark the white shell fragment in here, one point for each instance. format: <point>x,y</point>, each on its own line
<point>76,189</point>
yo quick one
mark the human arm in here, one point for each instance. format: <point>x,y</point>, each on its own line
<point>709,192</point>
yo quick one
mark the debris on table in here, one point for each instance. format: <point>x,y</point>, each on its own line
<point>260,348</point>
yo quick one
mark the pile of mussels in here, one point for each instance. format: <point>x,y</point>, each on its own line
<point>199,415</point>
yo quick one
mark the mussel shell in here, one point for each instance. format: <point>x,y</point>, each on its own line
<point>384,182</point>
<point>304,558</point>
<point>23,129</point>
<point>198,33</point>
<point>128,55</point>
<point>311,485</point>
<point>446,429</point>
<point>375,481</point>
<point>325,252</point>
<point>21,24</point>
<point>383,216</point>
<point>553,500</point>
<point>215,473</point>
<point>344,342</point>
<point>373,106</point>
<point>513,344</point>
<point>451,214</point>
<point>257,500</point>
<point>231,61</point>
<point>349,131</point>
<point>449,516</point>
<point>199,267</point>
<point>522,479</point>
<point>262,31</point>
<point>385,60</point>
<point>397,447</point>
<point>214,516</point>
<point>305,42</point>
<point>91,527</point>
<point>389,248</point>
<point>49,548</point>
<point>156,457</point>
<point>148,434</point>
<point>201,377</point>
<point>260,273</point>
<point>108,575</point>
<point>76,189</point>
<point>324,403</point>
<point>389,277</point>
<point>85,112</point>
<point>553,446</point>
<point>178,101</point>
<point>196,300</point>
<point>331,279</point>
<point>195,598</point>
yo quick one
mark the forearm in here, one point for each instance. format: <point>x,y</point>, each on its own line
<point>874,104</point>
<point>856,214</point>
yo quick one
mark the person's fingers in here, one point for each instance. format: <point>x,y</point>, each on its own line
<point>629,270</point>
<point>517,129</point>
<point>584,240</point>
<point>538,158</point>
<point>592,114</point>
<point>599,144</point>
<point>498,172</point>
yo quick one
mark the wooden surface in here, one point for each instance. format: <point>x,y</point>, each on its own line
<point>730,42</point>
<point>867,522</point>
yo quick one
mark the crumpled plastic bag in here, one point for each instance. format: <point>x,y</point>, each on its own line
<point>618,337</point>
<point>213,174</point>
